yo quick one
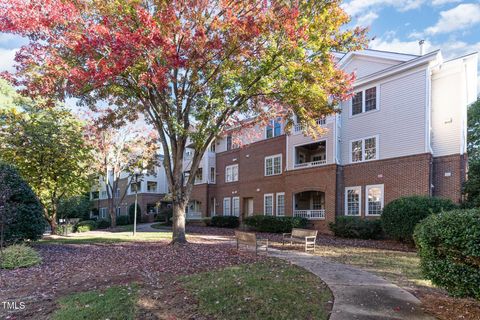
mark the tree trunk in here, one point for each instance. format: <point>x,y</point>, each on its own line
<point>179,222</point>
<point>113,216</point>
<point>53,225</point>
<point>51,218</point>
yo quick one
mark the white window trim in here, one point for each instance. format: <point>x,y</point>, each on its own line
<point>105,210</point>
<point>377,101</point>
<point>229,206</point>
<point>358,188</point>
<point>377,149</point>
<point>276,204</point>
<point>272,123</point>
<point>226,175</point>
<point>381,186</point>
<point>273,161</point>
<point>233,206</point>
<point>264,203</point>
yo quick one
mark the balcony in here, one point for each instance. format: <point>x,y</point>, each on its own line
<point>310,214</point>
<point>299,128</point>
<point>192,215</point>
<point>310,155</point>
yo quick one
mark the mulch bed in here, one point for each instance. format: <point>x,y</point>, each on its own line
<point>74,268</point>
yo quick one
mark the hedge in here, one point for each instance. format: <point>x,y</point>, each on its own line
<point>273,224</point>
<point>103,223</point>
<point>86,225</point>
<point>355,227</point>
<point>449,249</point>
<point>123,220</point>
<point>400,216</point>
<point>225,222</point>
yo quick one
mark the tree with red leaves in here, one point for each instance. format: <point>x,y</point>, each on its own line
<point>193,67</point>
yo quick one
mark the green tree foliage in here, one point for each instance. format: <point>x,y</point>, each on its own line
<point>472,185</point>
<point>21,215</point>
<point>48,148</point>
<point>74,207</point>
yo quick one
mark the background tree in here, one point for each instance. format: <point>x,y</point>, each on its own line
<point>48,148</point>
<point>192,67</point>
<point>74,207</point>
<point>472,185</point>
<point>118,151</point>
<point>21,215</point>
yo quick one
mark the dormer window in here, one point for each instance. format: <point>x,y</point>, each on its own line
<point>364,101</point>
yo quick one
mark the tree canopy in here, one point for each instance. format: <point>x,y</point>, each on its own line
<point>193,67</point>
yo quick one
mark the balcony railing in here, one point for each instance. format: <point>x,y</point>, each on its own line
<point>194,215</point>
<point>299,128</point>
<point>310,164</point>
<point>310,214</point>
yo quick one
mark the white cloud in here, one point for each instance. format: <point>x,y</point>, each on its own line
<point>442,2</point>
<point>355,7</point>
<point>461,17</point>
<point>397,45</point>
<point>367,19</point>
<point>6,59</point>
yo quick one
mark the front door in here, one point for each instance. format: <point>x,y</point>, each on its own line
<point>249,207</point>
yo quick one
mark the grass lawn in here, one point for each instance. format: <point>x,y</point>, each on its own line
<point>271,289</point>
<point>401,268</point>
<point>114,303</point>
<point>106,237</point>
<point>159,225</point>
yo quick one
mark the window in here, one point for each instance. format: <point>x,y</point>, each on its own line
<point>151,186</point>
<point>317,201</point>
<point>374,199</point>
<point>353,201</point>
<point>268,204</point>
<point>273,165</point>
<point>229,142</point>
<point>357,103</point>
<point>103,213</point>
<point>231,173</point>
<point>281,204</point>
<point>118,211</point>
<point>134,187</point>
<point>212,174</point>
<point>364,101</point>
<point>226,207</point>
<point>212,146</point>
<point>95,195</point>
<point>117,193</point>
<point>199,175</point>
<point>236,206</point>
<point>364,149</point>
<point>104,194</point>
<point>273,129</point>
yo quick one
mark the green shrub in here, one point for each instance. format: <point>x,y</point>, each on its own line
<point>225,222</point>
<point>74,207</point>
<point>123,220</point>
<point>103,223</point>
<point>165,215</point>
<point>19,256</point>
<point>65,229</point>
<point>207,221</point>
<point>356,227</point>
<point>273,224</point>
<point>22,214</point>
<point>400,216</point>
<point>86,225</point>
<point>449,249</point>
<point>131,213</point>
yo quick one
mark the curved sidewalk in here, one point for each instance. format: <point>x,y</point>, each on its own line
<point>358,294</point>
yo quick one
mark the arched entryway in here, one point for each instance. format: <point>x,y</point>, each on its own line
<point>309,204</point>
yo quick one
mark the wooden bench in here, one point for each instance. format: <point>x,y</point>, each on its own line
<point>250,239</point>
<point>305,236</point>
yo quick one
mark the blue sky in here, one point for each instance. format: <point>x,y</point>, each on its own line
<point>395,25</point>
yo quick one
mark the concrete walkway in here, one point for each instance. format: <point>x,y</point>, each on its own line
<point>358,294</point>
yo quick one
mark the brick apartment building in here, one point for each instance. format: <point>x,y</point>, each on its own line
<point>403,133</point>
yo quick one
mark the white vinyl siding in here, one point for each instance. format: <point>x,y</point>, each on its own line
<point>227,207</point>
<point>231,173</point>
<point>280,207</point>
<point>353,201</point>
<point>399,122</point>
<point>273,165</point>
<point>236,206</point>
<point>374,200</point>
<point>268,204</point>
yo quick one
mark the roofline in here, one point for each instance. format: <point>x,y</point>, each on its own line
<point>462,57</point>
<point>403,57</point>
<point>434,55</point>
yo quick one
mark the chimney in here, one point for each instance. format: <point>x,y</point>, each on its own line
<point>421,43</point>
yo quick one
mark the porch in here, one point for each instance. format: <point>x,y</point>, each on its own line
<point>309,204</point>
<point>194,210</point>
<point>310,155</point>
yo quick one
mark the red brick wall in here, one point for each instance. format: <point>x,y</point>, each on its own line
<point>449,174</point>
<point>402,176</point>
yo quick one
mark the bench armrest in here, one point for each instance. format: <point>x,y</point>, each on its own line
<point>310,237</point>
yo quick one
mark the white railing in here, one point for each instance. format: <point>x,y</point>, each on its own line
<point>194,215</point>
<point>310,214</point>
<point>299,128</point>
<point>310,164</point>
